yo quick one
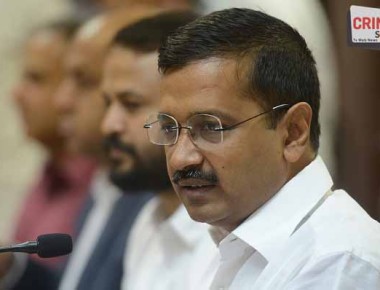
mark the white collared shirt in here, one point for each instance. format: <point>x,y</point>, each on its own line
<point>159,250</point>
<point>338,247</point>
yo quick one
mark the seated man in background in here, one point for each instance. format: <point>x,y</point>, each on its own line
<point>96,261</point>
<point>53,203</point>
<point>103,226</point>
<point>163,237</point>
<point>238,117</point>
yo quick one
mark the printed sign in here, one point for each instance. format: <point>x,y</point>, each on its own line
<point>364,27</point>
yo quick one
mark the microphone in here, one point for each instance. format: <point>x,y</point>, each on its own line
<point>46,246</point>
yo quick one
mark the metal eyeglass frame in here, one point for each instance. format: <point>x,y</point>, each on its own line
<point>231,127</point>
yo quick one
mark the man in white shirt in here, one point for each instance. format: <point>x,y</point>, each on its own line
<point>96,261</point>
<point>238,116</point>
<point>163,237</point>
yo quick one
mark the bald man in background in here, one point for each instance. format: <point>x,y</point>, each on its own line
<point>59,191</point>
<point>96,262</point>
<point>53,203</point>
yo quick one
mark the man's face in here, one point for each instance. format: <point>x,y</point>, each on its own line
<point>41,75</point>
<point>247,167</point>
<point>131,92</point>
<point>79,99</point>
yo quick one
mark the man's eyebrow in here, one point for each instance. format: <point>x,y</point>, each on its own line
<point>216,113</point>
<point>127,94</point>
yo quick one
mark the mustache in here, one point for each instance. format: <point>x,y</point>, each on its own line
<point>113,142</point>
<point>194,173</point>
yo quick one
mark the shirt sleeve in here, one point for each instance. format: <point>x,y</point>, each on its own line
<point>344,271</point>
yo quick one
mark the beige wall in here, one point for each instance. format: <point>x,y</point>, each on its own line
<point>19,158</point>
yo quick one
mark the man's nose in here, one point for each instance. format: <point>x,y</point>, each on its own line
<point>64,98</point>
<point>184,153</point>
<point>113,121</point>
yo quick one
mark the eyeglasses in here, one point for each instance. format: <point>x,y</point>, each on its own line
<point>204,129</point>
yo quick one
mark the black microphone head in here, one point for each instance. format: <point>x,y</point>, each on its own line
<point>54,245</point>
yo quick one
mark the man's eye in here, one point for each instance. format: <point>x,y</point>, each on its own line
<point>131,106</point>
<point>168,128</point>
<point>86,83</point>
<point>210,126</point>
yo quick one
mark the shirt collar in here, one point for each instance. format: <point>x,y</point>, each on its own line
<point>102,190</point>
<point>217,234</point>
<point>270,226</point>
<point>180,225</point>
<point>187,229</point>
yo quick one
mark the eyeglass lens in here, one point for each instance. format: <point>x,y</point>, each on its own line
<point>164,129</point>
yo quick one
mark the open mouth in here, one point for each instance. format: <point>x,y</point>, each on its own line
<point>198,188</point>
<point>195,185</point>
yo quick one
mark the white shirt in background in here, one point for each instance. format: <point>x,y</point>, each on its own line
<point>159,250</point>
<point>338,247</point>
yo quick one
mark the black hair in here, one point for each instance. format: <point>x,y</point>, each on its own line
<point>279,67</point>
<point>146,35</point>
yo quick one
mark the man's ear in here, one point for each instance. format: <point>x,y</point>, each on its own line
<point>296,126</point>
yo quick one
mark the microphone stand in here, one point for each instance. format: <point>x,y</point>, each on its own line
<point>27,247</point>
